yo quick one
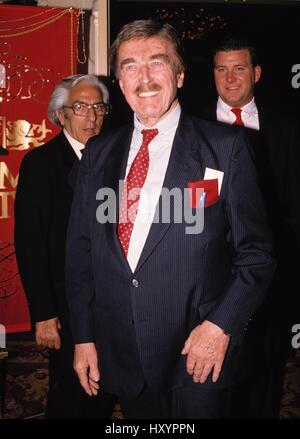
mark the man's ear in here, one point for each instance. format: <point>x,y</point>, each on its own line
<point>180,79</point>
<point>61,116</point>
<point>121,85</point>
<point>257,73</point>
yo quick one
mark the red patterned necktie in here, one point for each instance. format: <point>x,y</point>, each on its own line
<point>135,181</point>
<point>238,118</point>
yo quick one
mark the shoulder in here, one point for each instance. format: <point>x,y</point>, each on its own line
<point>44,152</point>
<point>213,130</point>
<point>272,116</point>
<point>217,140</point>
<point>109,137</point>
<point>40,159</point>
<point>107,144</point>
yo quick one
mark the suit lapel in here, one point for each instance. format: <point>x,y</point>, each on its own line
<point>114,172</point>
<point>70,160</point>
<point>184,166</point>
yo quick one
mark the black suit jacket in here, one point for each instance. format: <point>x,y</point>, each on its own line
<point>42,207</point>
<point>140,320</point>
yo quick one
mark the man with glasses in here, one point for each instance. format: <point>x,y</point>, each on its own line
<point>43,201</point>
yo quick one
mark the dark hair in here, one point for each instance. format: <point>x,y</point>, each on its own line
<point>228,44</point>
<point>145,29</point>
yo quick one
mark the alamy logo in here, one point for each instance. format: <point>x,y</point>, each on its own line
<point>296,337</point>
<point>296,77</point>
<point>2,337</point>
<point>172,205</point>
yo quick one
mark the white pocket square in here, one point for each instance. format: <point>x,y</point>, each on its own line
<point>210,174</point>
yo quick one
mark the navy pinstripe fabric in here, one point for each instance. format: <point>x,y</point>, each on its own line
<point>180,280</point>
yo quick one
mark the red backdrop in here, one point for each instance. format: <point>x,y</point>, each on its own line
<point>38,47</point>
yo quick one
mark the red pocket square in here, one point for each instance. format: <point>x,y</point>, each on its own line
<point>209,187</point>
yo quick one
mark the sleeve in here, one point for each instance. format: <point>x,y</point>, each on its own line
<point>250,240</point>
<point>32,217</point>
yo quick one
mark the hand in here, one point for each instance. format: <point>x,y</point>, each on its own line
<point>86,367</point>
<point>47,333</point>
<point>205,349</point>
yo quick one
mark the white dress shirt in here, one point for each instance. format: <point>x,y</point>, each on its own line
<point>77,146</point>
<point>159,154</point>
<point>249,114</point>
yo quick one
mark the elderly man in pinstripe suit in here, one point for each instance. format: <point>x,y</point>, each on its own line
<point>159,313</point>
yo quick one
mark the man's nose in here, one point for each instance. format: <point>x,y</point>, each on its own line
<point>91,114</point>
<point>230,76</point>
<point>145,74</point>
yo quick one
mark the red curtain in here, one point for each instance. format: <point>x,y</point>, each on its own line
<point>38,47</point>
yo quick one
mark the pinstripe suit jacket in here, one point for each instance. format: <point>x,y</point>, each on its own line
<point>276,148</point>
<point>221,274</point>
<point>277,156</point>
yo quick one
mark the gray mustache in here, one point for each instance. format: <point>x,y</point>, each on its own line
<point>143,89</point>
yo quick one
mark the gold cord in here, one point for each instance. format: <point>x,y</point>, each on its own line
<point>39,26</point>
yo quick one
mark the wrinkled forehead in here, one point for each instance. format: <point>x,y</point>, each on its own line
<point>84,91</point>
<point>146,47</point>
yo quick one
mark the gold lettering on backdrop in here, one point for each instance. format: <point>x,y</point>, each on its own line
<point>22,135</point>
<point>7,181</point>
<point>5,172</point>
<point>4,197</point>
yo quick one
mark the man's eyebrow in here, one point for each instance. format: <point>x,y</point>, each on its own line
<point>86,103</point>
<point>127,61</point>
<point>217,66</point>
<point>162,56</point>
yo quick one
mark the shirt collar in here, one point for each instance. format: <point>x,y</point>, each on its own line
<point>77,146</point>
<point>249,108</point>
<point>165,124</point>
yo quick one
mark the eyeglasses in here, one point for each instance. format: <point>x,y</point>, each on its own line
<point>82,109</point>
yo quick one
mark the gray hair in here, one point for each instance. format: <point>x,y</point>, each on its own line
<point>146,29</point>
<point>61,92</point>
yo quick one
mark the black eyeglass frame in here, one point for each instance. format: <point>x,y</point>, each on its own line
<point>106,108</point>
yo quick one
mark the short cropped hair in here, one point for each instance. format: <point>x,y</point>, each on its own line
<point>237,43</point>
<point>139,29</point>
<point>61,92</point>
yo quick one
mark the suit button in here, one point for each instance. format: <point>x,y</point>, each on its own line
<point>135,283</point>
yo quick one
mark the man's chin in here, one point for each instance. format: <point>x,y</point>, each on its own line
<point>85,139</point>
<point>148,113</point>
<point>89,134</point>
<point>232,100</point>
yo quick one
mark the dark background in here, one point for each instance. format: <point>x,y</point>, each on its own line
<point>273,28</point>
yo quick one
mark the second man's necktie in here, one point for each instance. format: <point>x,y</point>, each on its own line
<point>238,118</point>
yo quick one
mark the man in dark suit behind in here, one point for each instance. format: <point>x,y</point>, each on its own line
<point>165,305</point>
<point>43,201</point>
<point>275,138</point>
